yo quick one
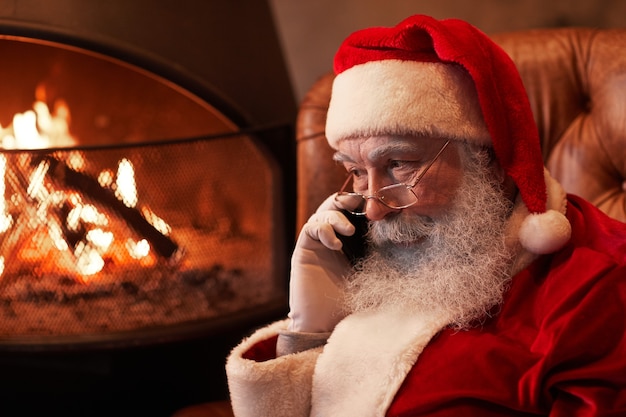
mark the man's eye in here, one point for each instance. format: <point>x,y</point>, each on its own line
<point>357,173</point>
<point>359,179</point>
<point>402,165</point>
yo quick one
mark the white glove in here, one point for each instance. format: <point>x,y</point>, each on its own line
<point>317,270</point>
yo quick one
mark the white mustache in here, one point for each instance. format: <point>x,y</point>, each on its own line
<point>400,229</point>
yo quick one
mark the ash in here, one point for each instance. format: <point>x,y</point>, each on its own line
<point>61,305</point>
<point>57,304</point>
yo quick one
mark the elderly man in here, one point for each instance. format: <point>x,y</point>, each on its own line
<point>484,290</point>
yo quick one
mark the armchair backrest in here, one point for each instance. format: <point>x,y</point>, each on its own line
<point>576,83</point>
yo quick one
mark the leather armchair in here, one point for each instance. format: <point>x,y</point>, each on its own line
<point>576,82</point>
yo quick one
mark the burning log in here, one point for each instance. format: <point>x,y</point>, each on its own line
<point>63,175</point>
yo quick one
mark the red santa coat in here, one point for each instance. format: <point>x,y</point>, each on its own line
<point>556,347</point>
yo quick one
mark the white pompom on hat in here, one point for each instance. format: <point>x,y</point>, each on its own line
<point>426,77</point>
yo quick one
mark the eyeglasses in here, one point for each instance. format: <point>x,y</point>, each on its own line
<point>395,196</point>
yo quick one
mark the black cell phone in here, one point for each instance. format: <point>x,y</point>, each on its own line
<point>355,246</point>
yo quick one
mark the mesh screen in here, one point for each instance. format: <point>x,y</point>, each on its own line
<point>110,239</point>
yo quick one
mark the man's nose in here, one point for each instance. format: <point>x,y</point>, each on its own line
<point>376,210</point>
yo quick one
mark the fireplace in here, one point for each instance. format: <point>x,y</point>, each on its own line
<point>144,226</point>
<point>143,211</point>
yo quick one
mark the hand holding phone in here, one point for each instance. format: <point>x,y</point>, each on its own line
<point>318,270</point>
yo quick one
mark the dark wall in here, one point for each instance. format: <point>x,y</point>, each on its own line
<point>230,48</point>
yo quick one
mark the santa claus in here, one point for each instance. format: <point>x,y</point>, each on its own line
<point>485,290</point>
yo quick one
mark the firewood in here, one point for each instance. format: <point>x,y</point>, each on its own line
<point>64,176</point>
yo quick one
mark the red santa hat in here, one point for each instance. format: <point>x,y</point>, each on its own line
<point>445,78</point>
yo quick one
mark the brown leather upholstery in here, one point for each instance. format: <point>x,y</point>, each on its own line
<point>576,82</point>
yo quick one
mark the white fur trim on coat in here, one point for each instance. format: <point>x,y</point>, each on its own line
<point>364,363</point>
<point>366,360</point>
<point>278,387</point>
<point>394,97</point>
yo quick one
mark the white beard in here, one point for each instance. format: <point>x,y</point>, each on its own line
<point>458,266</point>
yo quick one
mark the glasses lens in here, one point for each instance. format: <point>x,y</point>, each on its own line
<point>354,203</point>
<point>397,196</point>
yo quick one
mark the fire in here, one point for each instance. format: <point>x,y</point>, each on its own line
<point>62,228</point>
<point>126,189</point>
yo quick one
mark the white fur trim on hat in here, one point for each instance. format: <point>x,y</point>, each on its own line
<point>394,97</point>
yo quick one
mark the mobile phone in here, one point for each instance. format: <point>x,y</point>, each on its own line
<point>355,246</point>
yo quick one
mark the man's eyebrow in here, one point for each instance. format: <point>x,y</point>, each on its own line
<point>381,151</point>
<point>395,147</point>
<point>341,157</point>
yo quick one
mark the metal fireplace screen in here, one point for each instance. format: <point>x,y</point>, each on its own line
<point>119,238</point>
<point>112,228</point>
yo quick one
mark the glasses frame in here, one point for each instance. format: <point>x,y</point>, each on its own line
<point>376,195</point>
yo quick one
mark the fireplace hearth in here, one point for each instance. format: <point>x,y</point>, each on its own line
<point>114,218</point>
<point>118,241</point>
<point>146,203</point>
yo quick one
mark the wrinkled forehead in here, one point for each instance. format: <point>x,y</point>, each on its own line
<point>380,148</point>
